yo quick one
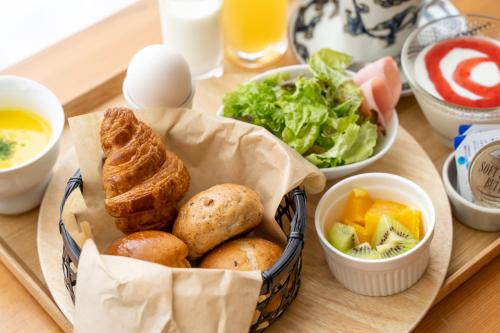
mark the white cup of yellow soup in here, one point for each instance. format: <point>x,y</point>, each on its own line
<point>31,124</point>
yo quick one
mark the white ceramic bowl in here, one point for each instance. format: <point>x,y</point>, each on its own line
<point>380,277</point>
<point>469,213</point>
<point>22,186</point>
<point>383,145</point>
<point>445,117</point>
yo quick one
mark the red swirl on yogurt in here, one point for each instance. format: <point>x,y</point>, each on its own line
<point>462,71</point>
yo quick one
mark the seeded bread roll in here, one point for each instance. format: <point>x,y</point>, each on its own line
<point>216,215</point>
<point>243,254</point>
<point>154,246</point>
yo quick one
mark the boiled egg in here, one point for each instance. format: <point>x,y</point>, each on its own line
<point>158,76</point>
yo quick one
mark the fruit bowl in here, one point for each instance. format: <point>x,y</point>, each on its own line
<point>376,277</point>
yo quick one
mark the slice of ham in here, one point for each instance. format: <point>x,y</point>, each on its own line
<point>377,99</point>
<point>381,86</point>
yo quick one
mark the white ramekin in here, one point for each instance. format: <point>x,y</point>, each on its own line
<point>380,277</point>
<point>22,186</point>
<point>188,103</point>
<point>469,213</point>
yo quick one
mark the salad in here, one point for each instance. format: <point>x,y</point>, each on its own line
<point>319,116</point>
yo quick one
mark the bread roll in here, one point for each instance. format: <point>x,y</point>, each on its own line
<point>215,215</point>
<point>243,254</point>
<point>154,246</point>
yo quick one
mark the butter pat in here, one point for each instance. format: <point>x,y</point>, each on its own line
<point>484,175</point>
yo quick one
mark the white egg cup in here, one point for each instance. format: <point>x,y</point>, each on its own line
<point>188,103</point>
<point>22,186</point>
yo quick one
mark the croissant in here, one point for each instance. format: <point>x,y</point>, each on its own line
<point>142,180</point>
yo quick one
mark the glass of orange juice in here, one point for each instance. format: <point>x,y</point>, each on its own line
<point>255,31</point>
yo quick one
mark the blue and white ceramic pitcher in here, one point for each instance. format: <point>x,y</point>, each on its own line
<point>377,28</point>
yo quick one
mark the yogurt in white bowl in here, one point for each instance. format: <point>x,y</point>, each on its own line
<point>454,81</point>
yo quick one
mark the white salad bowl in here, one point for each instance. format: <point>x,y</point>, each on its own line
<point>383,144</point>
<point>22,186</point>
<point>376,277</point>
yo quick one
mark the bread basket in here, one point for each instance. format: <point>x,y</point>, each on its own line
<point>280,284</point>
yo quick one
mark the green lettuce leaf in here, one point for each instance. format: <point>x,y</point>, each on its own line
<point>332,128</point>
<point>257,103</point>
<point>364,144</point>
<point>304,139</point>
<point>317,116</point>
<point>355,144</point>
<point>330,65</point>
<point>304,111</point>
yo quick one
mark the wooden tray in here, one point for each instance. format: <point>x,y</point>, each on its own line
<point>472,249</point>
<point>99,74</point>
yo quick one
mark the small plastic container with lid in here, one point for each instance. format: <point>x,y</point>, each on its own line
<point>484,178</point>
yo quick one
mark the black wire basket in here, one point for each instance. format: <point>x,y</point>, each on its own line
<point>280,284</point>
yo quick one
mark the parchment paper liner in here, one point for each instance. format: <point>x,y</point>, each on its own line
<point>127,295</point>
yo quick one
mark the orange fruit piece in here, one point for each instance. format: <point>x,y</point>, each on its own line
<point>357,205</point>
<point>412,220</point>
<point>422,231</point>
<point>361,232</point>
<point>379,208</point>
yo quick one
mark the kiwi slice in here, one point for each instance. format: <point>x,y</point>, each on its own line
<point>364,251</point>
<point>388,230</point>
<point>342,236</point>
<point>396,247</point>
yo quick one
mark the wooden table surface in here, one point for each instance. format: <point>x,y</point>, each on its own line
<point>473,307</point>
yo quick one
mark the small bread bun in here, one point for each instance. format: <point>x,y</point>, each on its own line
<point>154,246</point>
<point>244,254</point>
<point>216,215</point>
